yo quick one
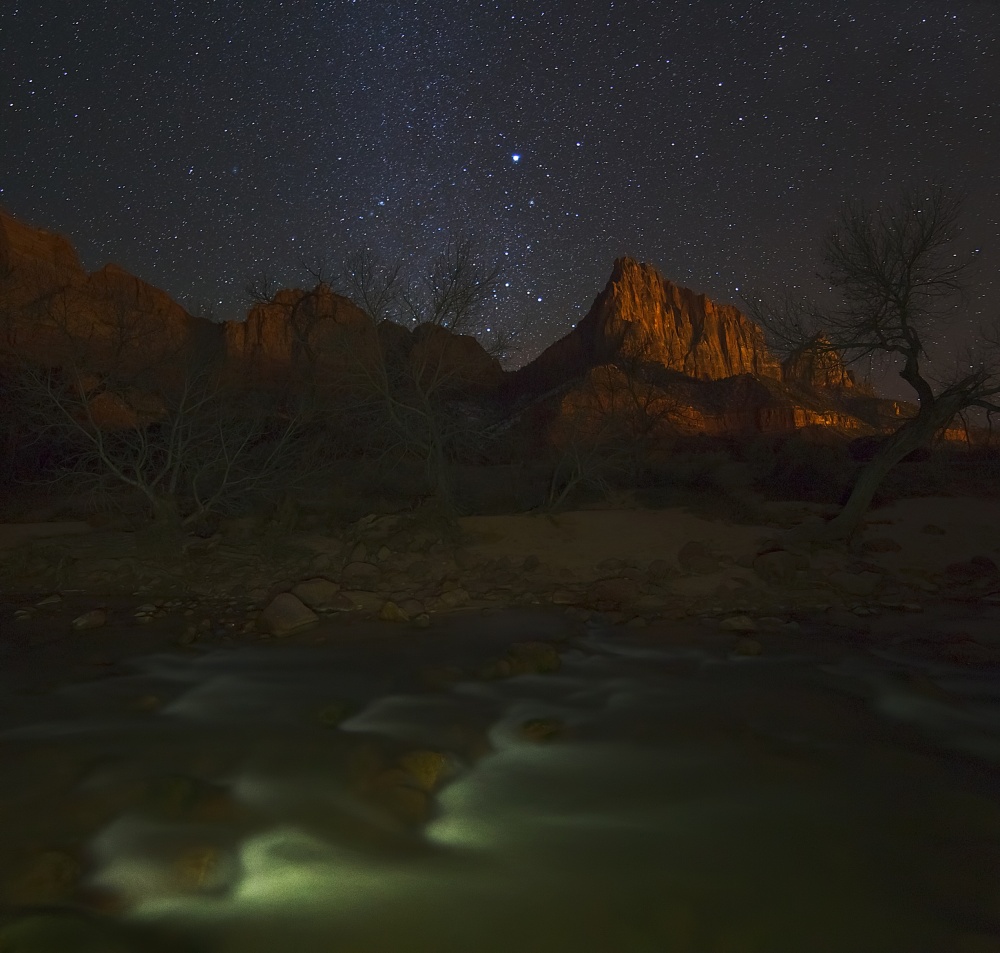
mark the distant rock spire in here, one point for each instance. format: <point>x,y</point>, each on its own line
<point>818,364</point>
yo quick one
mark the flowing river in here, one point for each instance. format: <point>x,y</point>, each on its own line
<point>657,794</point>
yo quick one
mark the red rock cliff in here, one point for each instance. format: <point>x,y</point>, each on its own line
<point>643,316</point>
<point>326,336</point>
<point>31,252</point>
<point>53,310</point>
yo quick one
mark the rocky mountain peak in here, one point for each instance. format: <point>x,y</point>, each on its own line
<point>642,316</point>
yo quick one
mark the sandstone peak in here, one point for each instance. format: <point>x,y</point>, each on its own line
<point>52,302</point>
<point>642,316</point>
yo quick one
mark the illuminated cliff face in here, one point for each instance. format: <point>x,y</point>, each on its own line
<point>52,308</point>
<point>642,316</point>
<point>609,404</point>
<point>651,357</point>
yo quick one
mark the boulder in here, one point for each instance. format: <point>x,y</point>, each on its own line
<point>738,623</point>
<point>616,590</point>
<point>286,614</point>
<point>453,598</point>
<point>318,593</point>
<point>93,619</point>
<point>360,575</point>
<point>362,599</point>
<point>424,767</point>
<point>390,612</point>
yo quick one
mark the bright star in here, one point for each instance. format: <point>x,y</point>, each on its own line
<point>516,157</point>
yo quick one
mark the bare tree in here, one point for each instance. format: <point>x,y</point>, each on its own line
<point>375,286</point>
<point>404,372</point>
<point>414,381</point>
<point>155,420</point>
<point>899,278</point>
<point>454,291</point>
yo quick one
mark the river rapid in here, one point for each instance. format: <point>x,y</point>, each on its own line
<point>657,794</point>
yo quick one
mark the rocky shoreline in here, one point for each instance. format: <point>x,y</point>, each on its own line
<point>250,583</point>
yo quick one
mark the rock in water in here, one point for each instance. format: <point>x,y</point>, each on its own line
<point>425,767</point>
<point>287,614</point>
<point>738,623</point>
<point>90,620</point>
<point>390,612</point>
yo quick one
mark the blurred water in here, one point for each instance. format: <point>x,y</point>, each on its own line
<point>689,803</point>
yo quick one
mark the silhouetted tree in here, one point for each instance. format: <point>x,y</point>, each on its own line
<point>130,409</point>
<point>899,279</point>
<point>414,382</point>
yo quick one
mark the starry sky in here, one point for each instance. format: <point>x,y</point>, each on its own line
<point>196,142</point>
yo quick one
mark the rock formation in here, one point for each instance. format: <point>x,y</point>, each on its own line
<point>642,316</point>
<point>297,332</point>
<point>328,338</point>
<point>52,310</point>
<point>39,256</point>
<point>817,364</point>
<point>651,356</point>
<point>678,357</point>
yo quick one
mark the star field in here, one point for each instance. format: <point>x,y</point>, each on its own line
<point>198,142</point>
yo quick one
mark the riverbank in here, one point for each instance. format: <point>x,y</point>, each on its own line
<point>634,567</point>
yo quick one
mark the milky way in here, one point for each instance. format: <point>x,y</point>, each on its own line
<point>198,142</point>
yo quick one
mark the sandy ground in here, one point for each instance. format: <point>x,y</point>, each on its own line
<point>914,537</point>
<point>15,534</point>
<point>581,540</point>
<point>971,527</point>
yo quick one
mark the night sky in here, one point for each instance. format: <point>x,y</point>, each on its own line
<point>197,141</point>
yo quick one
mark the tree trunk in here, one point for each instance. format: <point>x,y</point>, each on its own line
<point>913,435</point>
